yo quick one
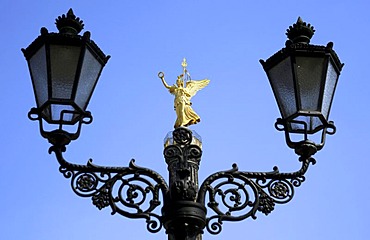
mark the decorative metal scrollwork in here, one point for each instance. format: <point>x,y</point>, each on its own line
<point>234,195</point>
<point>182,136</point>
<point>137,192</point>
<point>101,198</point>
<point>133,191</point>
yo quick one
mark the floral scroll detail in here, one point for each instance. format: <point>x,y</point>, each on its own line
<point>86,182</point>
<point>182,136</point>
<point>133,191</point>
<point>280,190</point>
<point>233,195</point>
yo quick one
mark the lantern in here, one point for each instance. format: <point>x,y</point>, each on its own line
<point>64,69</point>
<point>303,78</point>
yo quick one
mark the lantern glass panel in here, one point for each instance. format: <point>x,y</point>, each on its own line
<point>38,69</point>
<point>90,71</point>
<point>56,110</point>
<point>63,63</point>
<point>331,81</point>
<point>59,113</point>
<point>305,123</point>
<point>309,72</point>
<point>281,79</point>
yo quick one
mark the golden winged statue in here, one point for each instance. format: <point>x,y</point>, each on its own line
<point>183,93</point>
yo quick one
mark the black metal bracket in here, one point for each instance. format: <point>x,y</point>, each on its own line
<point>235,195</point>
<point>282,125</point>
<point>132,191</point>
<point>136,192</point>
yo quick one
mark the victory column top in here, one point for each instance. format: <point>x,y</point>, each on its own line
<point>184,90</point>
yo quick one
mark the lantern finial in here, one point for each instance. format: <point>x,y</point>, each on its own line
<point>300,32</point>
<point>69,24</point>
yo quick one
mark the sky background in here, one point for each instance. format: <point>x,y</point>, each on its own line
<point>222,41</point>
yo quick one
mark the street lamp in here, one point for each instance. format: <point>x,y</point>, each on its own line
<point>65,68</point>
<point>303,78</point>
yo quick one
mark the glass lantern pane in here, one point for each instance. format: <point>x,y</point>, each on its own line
<point>63,62</point>
<point>309,77</point>
<point>56,111</point>
<point>38,69</point>
<point>281,79</point>
<point>90,71</point>
<point>331,81</point>
<point>305,123</point>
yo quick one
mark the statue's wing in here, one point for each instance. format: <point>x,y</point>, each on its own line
<point>193,86</point>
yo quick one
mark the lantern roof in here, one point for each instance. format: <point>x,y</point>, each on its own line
<point>69,26</point>
<point>300,34</point>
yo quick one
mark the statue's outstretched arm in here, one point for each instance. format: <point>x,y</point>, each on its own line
<point>161,76</point>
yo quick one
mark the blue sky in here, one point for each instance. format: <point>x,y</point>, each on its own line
<point>133,112</point>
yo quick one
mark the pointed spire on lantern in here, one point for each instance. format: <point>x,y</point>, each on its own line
<point>300,32</point>
<point>69,24</point>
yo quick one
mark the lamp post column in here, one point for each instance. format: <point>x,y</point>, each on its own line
<point>183,217</point>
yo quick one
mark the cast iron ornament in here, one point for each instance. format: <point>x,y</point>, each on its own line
<point>127,189</point>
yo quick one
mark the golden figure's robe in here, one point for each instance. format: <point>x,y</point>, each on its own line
<point>185,114</point>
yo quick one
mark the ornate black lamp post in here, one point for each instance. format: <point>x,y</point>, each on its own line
<point>64,69</point>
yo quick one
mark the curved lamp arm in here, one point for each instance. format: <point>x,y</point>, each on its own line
<point>235,195</point>
<point>132,191</point>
